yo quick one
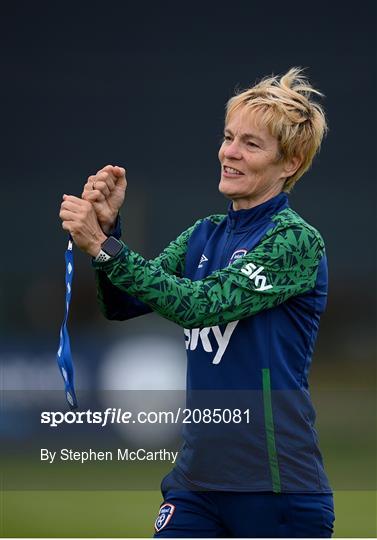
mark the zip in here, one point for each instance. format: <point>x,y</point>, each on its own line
<point>230,237</point>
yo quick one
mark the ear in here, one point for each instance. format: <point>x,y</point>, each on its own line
<point>291,165</point>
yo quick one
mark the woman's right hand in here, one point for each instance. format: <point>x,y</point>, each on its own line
<point>106,191</point>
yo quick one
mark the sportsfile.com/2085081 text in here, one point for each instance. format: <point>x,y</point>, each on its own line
<point>119,416</point>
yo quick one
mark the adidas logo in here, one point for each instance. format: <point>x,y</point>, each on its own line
<point>203,259</point>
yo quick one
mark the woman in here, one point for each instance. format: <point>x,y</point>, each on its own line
<point>248,288</point>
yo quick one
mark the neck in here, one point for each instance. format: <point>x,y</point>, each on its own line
<point>244,204</point>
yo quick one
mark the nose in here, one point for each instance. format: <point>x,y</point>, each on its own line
<point>232,150</point>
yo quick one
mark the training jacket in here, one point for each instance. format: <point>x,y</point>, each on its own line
<point>248,288</point>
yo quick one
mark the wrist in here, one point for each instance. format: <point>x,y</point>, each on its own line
<point>95,247</point>
<point>107,228</point>
<point>110,248</point>
<point>108,225</point>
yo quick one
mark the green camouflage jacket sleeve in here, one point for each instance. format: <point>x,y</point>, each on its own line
<point>117,304</point>
<point>282,265</point>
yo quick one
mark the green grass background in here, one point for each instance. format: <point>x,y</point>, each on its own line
<point>132,513</point>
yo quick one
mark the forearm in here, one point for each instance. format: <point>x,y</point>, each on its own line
<point>120,277</point>
<point>222,297</point>
<point>118,303</point>
<point>115,304</point>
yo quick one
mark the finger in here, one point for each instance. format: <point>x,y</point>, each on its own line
<point>102,186</point>
<point>67,225</point>
<point>67,215</point>
<point>103,181</point>
<point>119,171</point>
<point>71,227</point>
<point>83,205</point>
<point>97,191</point>
<point>91,179</point>
<point>108,177</point>
<point>93,196</point>
<point>72,206</point>
<point>107,168</point>
<point>114,174</point>
<point>72,198</point>
<point>89,184</point>
<point>82,209</point>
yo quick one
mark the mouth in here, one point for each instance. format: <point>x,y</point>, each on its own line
<point>231,172</point>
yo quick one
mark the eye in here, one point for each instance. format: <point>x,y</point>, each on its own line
<point>227,138</point>
<point>252,144</point>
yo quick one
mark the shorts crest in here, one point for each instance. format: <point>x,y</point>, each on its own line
<point>164,516</point>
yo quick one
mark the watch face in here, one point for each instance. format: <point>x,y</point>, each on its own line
<point>112,246</point>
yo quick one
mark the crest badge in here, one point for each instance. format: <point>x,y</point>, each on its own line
<point>238,254</point>
<point>164,516</point>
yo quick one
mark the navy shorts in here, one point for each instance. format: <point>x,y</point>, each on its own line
<point>225,514</point>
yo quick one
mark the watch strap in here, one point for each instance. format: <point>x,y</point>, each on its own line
<point>102,256</point>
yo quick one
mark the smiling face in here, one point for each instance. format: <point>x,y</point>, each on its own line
<point>251,169</point>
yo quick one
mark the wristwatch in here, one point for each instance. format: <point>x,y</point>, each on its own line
<point>110,248</point>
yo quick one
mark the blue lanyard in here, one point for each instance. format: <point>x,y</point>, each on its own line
<point>64,356</point>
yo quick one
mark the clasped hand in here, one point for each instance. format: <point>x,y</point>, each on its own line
<point>90,218</point>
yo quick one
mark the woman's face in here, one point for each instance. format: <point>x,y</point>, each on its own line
<point>251,171</point>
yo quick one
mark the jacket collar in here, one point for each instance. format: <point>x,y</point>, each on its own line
<point>246,218</point>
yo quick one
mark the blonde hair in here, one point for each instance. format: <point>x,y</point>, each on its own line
<point>287,110</point>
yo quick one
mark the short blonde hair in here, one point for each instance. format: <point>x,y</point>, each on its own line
<point>287,110</point>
